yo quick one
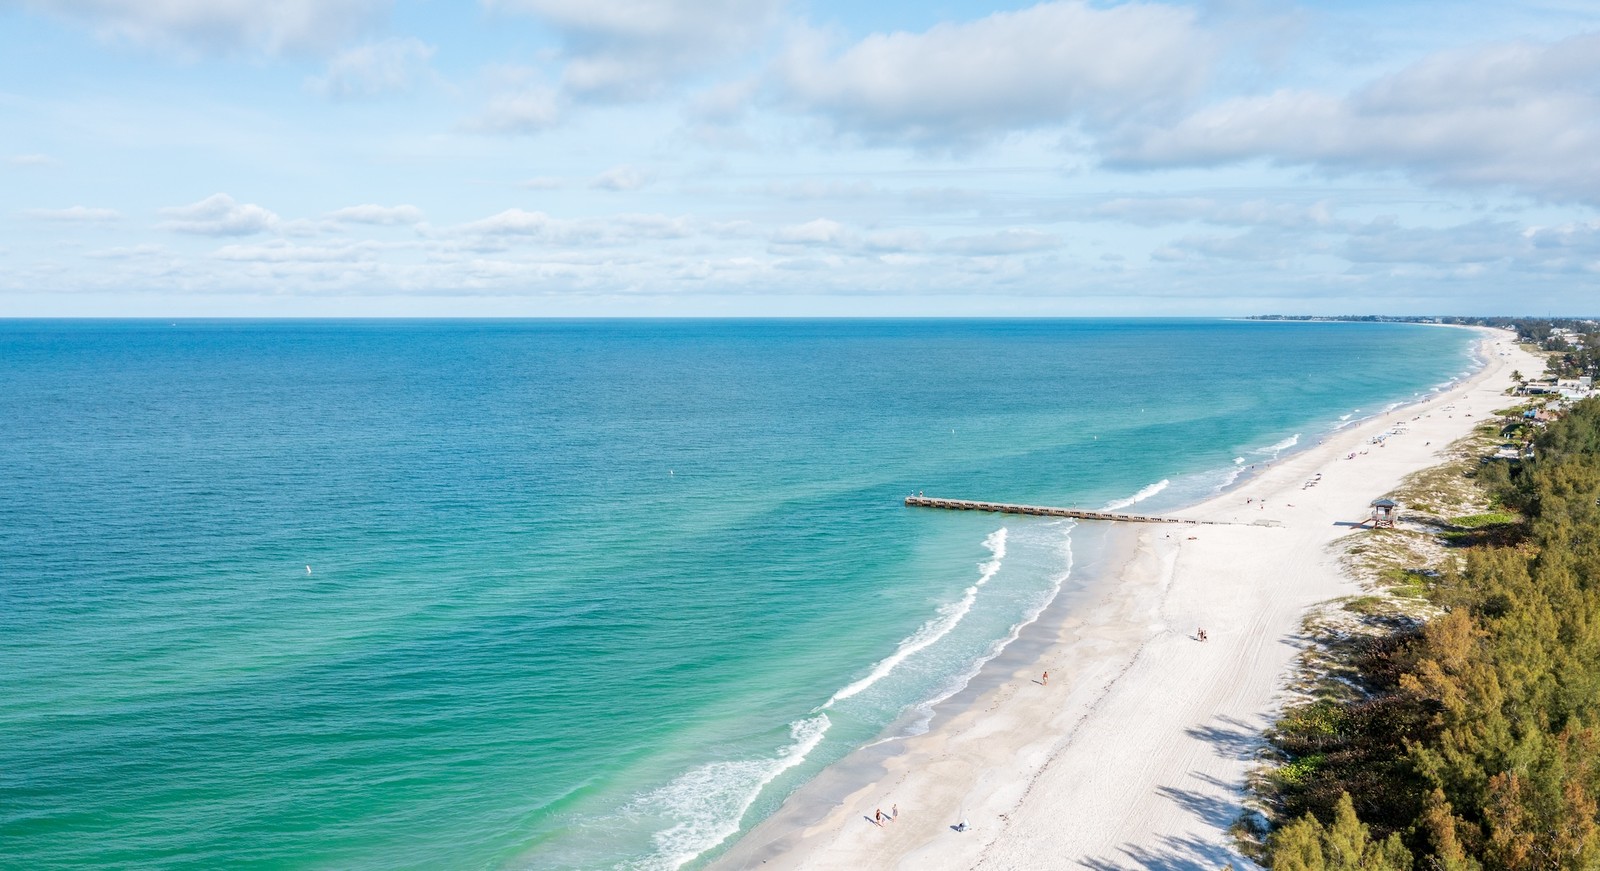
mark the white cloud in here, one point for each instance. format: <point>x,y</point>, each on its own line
<point>1047,65</point>
<point>1257,245</point>
<point>374,69</point>
<point>827,233</point>
<point>542,228</point>
<point>1518,115</point>
<point>219,215</point>
<point>223,26</point>
<point>621,178</point>
<point>1569,247</point>
<point>373,214</point>
<point>1012,241</point>
<point>894,241</point>
<point>724,102</point>
<point>1156,211</point>
<point>284,252</point>
<point>820,231</point>
<point>76,214</point>
<point>635,49</point>
<point>32,160</point>
<point>530,108</point>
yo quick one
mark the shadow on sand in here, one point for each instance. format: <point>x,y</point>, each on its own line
<point>1218,806</point>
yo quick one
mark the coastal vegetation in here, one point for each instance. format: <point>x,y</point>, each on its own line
<point>1462,730</point>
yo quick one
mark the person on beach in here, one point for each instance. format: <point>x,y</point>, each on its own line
<point>877,817</point>
<point>894,812</point>
<point>1045,679</point>
<point>1200,634</point>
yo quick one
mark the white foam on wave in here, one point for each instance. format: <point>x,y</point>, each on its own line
<point>709,802</point>
<point>959,682</point>
<point>1279,447</point>
<point>1348,416</point>
<point>1146,493</point>
<point>934,629</point>
<point>1238,461</point>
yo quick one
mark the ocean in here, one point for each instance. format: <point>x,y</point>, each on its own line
<point>561,594</point>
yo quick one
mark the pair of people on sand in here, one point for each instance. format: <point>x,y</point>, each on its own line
<point>879,816</point>
<point>1200,634</point>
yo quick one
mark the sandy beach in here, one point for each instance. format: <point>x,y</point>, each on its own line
<point>1136,752</point>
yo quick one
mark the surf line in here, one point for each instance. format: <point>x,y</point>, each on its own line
<point>935,628</point>
<point>732,787</point>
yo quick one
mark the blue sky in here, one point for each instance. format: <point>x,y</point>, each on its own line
<point>718,157</point>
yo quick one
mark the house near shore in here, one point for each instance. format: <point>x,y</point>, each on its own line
<point>1573,389</point>
<point>1508,452</point>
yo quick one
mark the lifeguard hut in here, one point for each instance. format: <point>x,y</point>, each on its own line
<point>1384,512</point>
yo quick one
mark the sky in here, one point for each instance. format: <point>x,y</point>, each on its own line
<point>770,158</point>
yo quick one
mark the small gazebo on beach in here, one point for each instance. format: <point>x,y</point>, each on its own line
<point>1384,512</point>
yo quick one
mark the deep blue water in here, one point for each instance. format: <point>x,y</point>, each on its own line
<point>581,594</point>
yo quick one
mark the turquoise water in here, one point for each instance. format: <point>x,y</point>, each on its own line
<point>580,594</point>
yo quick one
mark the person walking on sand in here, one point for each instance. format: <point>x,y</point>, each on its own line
<point>877,817</point>
<point>894,812</point>
<point>1045,679</point>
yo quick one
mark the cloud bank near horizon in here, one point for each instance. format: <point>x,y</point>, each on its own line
<point>751,156</point>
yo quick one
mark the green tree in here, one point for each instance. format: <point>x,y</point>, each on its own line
<point>1344,845</point>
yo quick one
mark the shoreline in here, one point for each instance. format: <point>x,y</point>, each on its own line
<point>1144,735</point>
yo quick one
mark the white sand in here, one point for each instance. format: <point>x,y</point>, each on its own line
<point>1136,753</point>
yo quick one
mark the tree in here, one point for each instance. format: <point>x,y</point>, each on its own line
<point>1344,845</point>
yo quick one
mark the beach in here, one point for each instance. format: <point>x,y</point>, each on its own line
<point>1135,754</point>
<point>605,595</point>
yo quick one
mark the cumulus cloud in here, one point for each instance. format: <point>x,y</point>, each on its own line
<point>621,178</point>
<point>223,26</point>
<point>372,214</point>
<point>219,215</point>
<point>632,50</point>
<point>1047,65</point>
<point>1518,115</point>
<point>374,69</point>
<point>75,214</point>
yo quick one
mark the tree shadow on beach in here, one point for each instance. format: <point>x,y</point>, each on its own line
<point>1174,854</point>
<point>1218,808</point>
<point>1232,738</point>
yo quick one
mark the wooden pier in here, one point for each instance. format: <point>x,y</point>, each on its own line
<point>1045,511</point>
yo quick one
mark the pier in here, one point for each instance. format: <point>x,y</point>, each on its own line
<point>1046,511</point>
